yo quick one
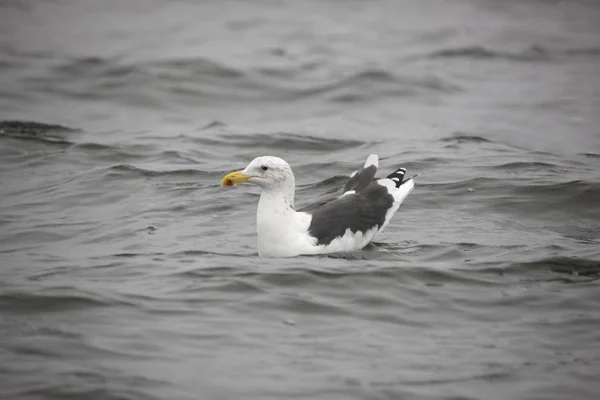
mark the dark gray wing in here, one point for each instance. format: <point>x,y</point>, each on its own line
<point>362,178</point>
<point>359,212</point>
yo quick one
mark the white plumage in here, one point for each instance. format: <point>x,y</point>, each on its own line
<point>345,224</point>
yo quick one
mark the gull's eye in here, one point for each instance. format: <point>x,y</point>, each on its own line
<point>264,168</point>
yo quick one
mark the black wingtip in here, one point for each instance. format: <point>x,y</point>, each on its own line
<point>398,176</point>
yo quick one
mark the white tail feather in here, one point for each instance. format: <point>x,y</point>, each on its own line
<point>373,159</point>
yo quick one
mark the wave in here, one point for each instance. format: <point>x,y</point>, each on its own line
<point>336,181</point>
<point>130,170</point>
<point>213,125</point>
<point>459,138</point>
<point>368,84</point>
<point>196,67</point>
<point>304,271</point>
<point>474,52</point>
<point>90,67</point>
<point>577,196</point>
<point>94,147</point>
<point>533,53</point>
<point>524,164</point>
<point>528,166</point>
<point>50,300</point>
<point>572,269</point>
<point>37,131</point>
<point>576,193</point>
<point>568,265</point>
<point>591,155</point>
<point>58,135</point>
<point>195,78</point>
<point>87,386</point>
<point>441,187</point>
<point>278,141</point>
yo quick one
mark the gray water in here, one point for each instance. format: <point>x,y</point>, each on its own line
<point>128,272</point>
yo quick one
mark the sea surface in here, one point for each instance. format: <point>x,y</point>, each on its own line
<point>128,272</point>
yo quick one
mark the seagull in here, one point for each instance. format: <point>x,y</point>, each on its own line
<point>345,224</point>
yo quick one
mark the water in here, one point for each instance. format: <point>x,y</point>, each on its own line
<point>127,272</point>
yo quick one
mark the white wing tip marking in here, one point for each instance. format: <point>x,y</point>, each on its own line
<point>373,159</point>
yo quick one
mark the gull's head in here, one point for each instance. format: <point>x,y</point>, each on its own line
<point>267,172</point>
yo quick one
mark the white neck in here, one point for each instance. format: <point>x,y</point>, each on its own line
<point>278,224</point>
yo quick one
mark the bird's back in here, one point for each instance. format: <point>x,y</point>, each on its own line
<point>366,206</point>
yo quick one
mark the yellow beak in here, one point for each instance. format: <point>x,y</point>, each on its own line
<point>234,177</point>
